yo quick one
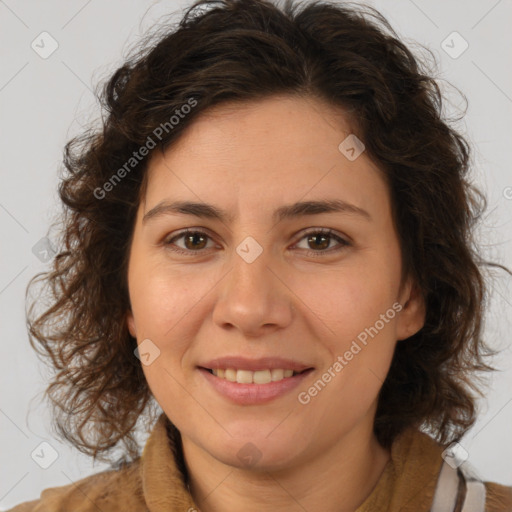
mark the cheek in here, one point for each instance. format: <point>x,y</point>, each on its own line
<point>355,320</point>
<point>164,305</point>
<point>159,296</point>
<point>169,307</point>
<point>343,302</point>
<point>155,305</point>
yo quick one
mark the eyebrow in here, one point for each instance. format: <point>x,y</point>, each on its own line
<point>299,209</point>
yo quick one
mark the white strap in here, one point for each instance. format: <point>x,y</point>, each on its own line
<point>475,490</point>
<point>445,495</point>
<point>446,492</point>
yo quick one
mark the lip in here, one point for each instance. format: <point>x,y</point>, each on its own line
<point>253,394</point>
<point>263,363</point>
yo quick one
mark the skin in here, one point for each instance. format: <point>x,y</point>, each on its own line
<point>250,159</point>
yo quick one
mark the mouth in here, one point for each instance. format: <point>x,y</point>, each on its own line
<point>263,376</point>
<point>211,370</point>
<point>244,387</point>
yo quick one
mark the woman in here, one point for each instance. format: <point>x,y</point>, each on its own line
<point>270,239</point>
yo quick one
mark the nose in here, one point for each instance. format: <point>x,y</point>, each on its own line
<point>253,297</point>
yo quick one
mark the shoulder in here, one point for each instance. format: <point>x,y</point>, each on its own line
<point>151,478</point>
<point>108,491</point>
<point>499,497</point>
<point>419,460</point>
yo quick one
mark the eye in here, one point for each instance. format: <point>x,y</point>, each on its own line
<point>322,238</point>
<point>195,241</point>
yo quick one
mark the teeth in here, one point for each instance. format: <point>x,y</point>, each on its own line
<point>257,377</point>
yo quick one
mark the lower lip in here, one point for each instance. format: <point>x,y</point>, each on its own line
<point>253,394</point>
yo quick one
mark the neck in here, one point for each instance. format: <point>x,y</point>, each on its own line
<point>339,478</point>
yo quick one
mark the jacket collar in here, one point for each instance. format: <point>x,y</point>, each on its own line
<point>162,472</point>
<point>409,479</point>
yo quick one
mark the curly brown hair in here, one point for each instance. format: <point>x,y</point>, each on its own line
<point>245,50</point>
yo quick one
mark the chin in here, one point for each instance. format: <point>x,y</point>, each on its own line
<point>256,452</point>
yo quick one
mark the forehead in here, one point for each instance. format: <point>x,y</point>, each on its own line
<point>247,156</point>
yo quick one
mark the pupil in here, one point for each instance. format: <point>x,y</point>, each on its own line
<point>192,237</point>
<point>325,237</point>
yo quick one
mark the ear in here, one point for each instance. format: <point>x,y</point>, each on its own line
<point>412,316</point>
<point>131,324</point>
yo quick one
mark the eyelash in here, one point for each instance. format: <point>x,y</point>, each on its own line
<point>318,231</point>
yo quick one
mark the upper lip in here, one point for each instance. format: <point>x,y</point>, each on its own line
<point>263,363</point>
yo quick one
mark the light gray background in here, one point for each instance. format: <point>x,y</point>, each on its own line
<point>43,102</point>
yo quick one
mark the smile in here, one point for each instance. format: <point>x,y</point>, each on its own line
<point>256,377</point>
<point>253,393</point>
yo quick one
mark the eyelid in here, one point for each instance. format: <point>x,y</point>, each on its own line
<point>324,231</point>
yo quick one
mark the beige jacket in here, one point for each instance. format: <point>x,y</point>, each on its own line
<point>156,483</point>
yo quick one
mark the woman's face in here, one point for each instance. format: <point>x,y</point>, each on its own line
<point>254,284</point>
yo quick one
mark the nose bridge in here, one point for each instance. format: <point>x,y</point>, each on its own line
<point>250,266</point>
<point>251,296</point>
